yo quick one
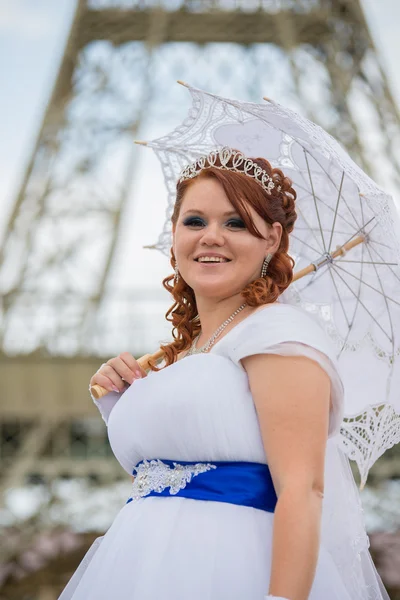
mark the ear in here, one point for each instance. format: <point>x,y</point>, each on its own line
<point>274,238</point>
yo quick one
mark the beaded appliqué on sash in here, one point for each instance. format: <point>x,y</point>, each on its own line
<point>154,475</point>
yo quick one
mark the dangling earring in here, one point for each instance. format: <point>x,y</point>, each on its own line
<point>265,265</point>
<point>176,274</point>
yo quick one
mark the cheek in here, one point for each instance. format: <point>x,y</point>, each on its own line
<point>181,240</point>
<point>247,249</point>
<point>184,240</point>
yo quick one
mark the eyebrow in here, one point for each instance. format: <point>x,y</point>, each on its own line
<point>200,212</point>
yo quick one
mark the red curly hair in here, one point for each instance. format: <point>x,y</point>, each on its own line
<point>242,191</point>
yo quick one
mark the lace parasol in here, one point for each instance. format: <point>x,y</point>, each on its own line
<point>355,293</point>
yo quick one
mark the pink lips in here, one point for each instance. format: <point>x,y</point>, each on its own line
<point>208,263</point>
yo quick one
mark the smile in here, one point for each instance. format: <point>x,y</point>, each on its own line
<point>212,262</point>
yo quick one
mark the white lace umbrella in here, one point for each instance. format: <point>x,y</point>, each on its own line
<point>354,293</point>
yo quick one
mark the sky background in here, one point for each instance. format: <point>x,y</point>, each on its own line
<point>32,38</point>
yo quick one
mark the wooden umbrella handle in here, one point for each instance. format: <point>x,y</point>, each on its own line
<point>98,391</point>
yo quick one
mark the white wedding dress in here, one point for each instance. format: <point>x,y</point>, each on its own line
<point>201,409</point>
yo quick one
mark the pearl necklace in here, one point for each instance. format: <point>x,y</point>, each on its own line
<point>211,341</point>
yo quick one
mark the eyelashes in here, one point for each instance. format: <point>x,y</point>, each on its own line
<point>197,222</point>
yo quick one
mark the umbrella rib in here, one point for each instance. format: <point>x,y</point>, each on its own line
<point>315,200</point>
<point>368,284</point>
<point>331,180</point>
<point>376,225</point>
<point>310,229</point>
<point>304,189</point>
<point>357,304</point>
<point>362,280</point>
<point>336,209</point>
<point>365,262</point>
<point>340,299</point>
<point>391,270</point>
<point>358,231</point>
<point>292,235</point>
<point>388,312</point>
<point>362,303</point>
<point>339,214</point>
<point>381,244</point>
<point>328,230</point>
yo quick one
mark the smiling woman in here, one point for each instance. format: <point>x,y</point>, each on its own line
<point>240,484</point>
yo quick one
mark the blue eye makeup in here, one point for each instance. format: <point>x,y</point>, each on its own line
<point>198,222</point>
<point>193,221</point>
<point>237,223</point>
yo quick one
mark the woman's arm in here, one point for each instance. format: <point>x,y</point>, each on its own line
<point>292,396</point>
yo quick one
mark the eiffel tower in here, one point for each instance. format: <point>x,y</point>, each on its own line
<point>72,250</point>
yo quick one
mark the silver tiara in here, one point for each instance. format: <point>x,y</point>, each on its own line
<point>240,164</point>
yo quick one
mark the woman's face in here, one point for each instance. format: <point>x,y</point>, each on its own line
<point>208,224</point>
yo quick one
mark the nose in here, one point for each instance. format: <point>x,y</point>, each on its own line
<point>213,235</point>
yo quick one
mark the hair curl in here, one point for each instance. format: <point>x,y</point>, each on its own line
<point>241,190</point>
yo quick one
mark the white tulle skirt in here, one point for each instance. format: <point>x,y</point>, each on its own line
<point>177,548</point>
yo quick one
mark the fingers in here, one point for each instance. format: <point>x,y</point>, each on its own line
<point>125,366</point>
<point>132,364</point>
<point>106,377</point>
<point>117,372</point>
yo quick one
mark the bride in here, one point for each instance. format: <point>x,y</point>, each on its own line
<point>240,488</point>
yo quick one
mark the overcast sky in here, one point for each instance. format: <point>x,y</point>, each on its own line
<point>32,37</point>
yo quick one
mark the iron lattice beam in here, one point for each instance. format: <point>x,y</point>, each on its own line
<point>120,27</point>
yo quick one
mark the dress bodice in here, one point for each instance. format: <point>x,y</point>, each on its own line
<point>201,408</point>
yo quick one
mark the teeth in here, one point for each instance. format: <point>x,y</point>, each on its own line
<point>211,259</point>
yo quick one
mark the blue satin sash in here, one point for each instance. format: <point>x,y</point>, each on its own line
<point>242,483</point>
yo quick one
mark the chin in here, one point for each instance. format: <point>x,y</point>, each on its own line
<point>214,289</point>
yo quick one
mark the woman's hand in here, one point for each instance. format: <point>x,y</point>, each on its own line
<point>117,373</point>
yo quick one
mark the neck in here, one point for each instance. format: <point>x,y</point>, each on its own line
<point>213,313</point>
